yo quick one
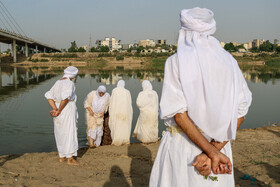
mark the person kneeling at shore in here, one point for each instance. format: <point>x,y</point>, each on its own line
<point>96,105</point>
<point>62,99</point>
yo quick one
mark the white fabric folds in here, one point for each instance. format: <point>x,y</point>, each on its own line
<point>146,129</point>
<point>209,78</point>
<point>99,102</point>
<point>70,72</point>
<point>121,113</point>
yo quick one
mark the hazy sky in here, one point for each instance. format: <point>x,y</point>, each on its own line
<point>58,22</point>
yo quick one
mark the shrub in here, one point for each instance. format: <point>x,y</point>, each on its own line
<point>119,57</point>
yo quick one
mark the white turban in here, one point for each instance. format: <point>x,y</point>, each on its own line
<point>146,85</point>
<point>70,72</point>
<point>121,83</point>
<point>101,89</point>
<point>198,19</point>
<point>208,76</point>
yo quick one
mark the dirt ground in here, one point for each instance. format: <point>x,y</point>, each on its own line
<point>255,152</point>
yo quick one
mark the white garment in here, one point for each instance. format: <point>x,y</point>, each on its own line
<point>120,115</point>
<point>96,134</point>
<point>95,123</point>
<point>172,166</point>
<point>65,128</point>
<point>209,77</point>
<point>146,129</point>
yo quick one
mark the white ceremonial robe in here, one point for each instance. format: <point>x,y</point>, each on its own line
<point>120,116</point>
<point>95,123</point>
<point>146,129</point>
<point>176,153</point>
<point>65,125</point>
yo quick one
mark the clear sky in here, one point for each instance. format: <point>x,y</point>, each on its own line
<point>58,22</point>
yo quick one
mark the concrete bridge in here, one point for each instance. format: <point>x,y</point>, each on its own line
<point>27,43</point>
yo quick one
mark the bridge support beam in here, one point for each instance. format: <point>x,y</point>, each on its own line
<point>15,78</point>
<point>14,49</point>
<point>36,49</point>
<point>26,49</point>
<point>45,50</point>
<point>0,77</point>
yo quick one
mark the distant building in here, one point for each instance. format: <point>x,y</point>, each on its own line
<point>257,42</point>
<point>112,43</point>
<point>161,42</point>
<point>223,44</point>
<point>147,43</point>
<point>125,46</point>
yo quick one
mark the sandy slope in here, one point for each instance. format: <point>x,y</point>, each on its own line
<point>256,152</point>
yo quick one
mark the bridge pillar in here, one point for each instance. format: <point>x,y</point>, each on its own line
<point>26,49</point>
<point>15,78</point>
<point>44,50</point>
<point>14,49</point>
<point>36,48</point>
<point>0,77</point>
<point>27,77</point>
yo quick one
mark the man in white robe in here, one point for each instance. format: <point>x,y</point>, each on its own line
<point>120,115</point>
<point>146,129</point>
<point>96,105</point>
<point>62,99</point>
<point>204,100</point>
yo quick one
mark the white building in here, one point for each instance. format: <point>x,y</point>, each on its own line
<point>147,43</point>
<point>112,43</point>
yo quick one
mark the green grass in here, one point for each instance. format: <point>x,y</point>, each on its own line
<point>273,62</point>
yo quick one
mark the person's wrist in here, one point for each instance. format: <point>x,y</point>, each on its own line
<point>212,153</point>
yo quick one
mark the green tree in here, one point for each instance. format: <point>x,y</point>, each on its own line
<point>230,47</point>
<point>139,49</point>
<point>277,49</point>
<point>104,49</point>
<point>93,49</point>
<point>266,46</point>
<point>81,49</point>
<point>254,49</point>
<point>73,47</point>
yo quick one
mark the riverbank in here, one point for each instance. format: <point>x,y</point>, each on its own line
<point>255,152</point>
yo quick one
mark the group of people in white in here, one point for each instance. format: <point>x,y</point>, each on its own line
<point>204,100</point>
<point>98,102</point>
<point>62,99</point>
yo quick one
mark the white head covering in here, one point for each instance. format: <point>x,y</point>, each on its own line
<point>70,72</point>
<point>99,102</point>
<point>121,83</point>
<point>146,85</point>
<point>207,76</point>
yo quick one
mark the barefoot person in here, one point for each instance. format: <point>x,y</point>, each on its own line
<point>62,99</point>
<point>120,111</point>
<point>146,129</point>
<point>96,105</point>
<point>204,100</point>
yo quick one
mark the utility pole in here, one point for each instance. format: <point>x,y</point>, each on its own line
<point>89,44</point>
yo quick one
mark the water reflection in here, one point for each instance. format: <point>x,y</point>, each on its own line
<point>27,127</point>
<point>17,80</point>
<point>260,73</point>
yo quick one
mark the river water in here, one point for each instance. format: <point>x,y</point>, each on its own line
<point>25,125</point>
